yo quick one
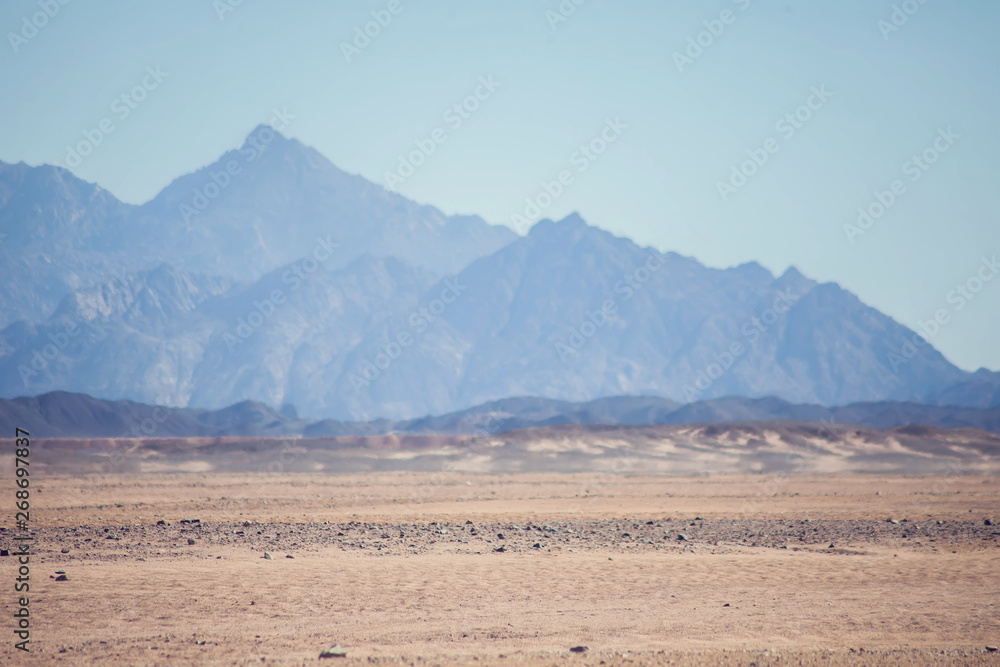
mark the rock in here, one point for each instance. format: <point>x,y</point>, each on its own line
<point>726,605</point>
<point>682,538</point>
<point>62,577</point>
<point>65,550</point>
<point>831,546</point>
<point>4,552</point>
<point>698,518</point>
<point>60,571</point>
<point>537,545</point>
<point>992,649</point>
<point>333,652</point>
<point>500,549</point>
<point>500,536</point>
<point>290,556</point>
<point>987,522</point>
<point>190,541</point>
<point>892,521</point>
<point>267,555</point>
<point>579,649</point>
<point>161,522</point>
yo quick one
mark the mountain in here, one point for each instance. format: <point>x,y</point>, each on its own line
<point>273,198</point>
<point>977,390</point>
<point>272,276</point>
<point>168,337</point>
<point>66,415</point>
<point>58,236</point>
<point>571,312</point>
<point>278,202</point>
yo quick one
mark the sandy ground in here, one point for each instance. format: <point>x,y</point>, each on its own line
<point>411,568</point>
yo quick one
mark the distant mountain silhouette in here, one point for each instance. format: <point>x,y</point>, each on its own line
<point>272,276</point>
<point>67,415</point>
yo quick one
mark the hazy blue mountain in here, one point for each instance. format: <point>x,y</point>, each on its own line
<point>273,200</point>
<point>168,337</point>
<point>977,390</point>
<point>528,323</point>
<point>59,234</point>
<point>272,276</point>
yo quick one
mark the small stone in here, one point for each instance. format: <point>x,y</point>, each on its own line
<point>698,518</point>
<point>831,546</point>
<point>537,545</point>
<point>579,649</point>
<point>161,522</point>
<point>289,556</point>
<point>267,555</point>
<point>726,605</point>
<point>333,652</point>
<point>987,522</point>
<point>190,541</point>
<point>682,538</point>
<point>992,649</point>
<point>500,549</point>
<point>62,577</point>
<point>500,536</point>
<point>4,552</point>
<point>60,571</point>
<point>892,521</point>
<point>65,550</point>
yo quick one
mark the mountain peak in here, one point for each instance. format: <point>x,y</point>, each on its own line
<point>572,222</point>
<point>262,135</point>
<point>573,219</point>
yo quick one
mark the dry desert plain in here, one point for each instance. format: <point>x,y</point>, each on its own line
<point>411,567</point>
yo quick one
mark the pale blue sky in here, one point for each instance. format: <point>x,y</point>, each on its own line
<point>657,184</point>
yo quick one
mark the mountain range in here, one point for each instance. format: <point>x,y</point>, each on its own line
<point>66,415</point>
<point>273,276</point>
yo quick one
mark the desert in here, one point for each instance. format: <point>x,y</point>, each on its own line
<point>441,566</point>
